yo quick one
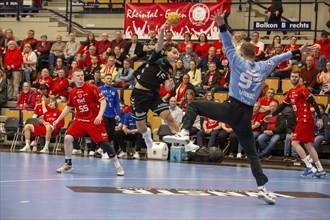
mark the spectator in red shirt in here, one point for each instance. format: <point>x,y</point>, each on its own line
<point>211,128</point>
<point>187,40</point>
<point>218,45</point>
<point>44,79</point>
<point>12,63</point>
<point>293,46</point>
<point>324,43</point>
<point>30,40</point>
<point>266,100</point>
<point>90,41</point>
<point>104,44</point>
<point>27,98</point>
<point>283,69</point>
<point>118,41</point>
<point>202,48</point>
<point>309,75</point>
<point>60,86</point>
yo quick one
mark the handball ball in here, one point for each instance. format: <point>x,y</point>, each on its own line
<point>173,18</point>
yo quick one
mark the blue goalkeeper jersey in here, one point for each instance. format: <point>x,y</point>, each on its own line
<point>247,78</point>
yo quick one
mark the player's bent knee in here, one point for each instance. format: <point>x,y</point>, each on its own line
<point>109,149</point>
<point>68,138</point>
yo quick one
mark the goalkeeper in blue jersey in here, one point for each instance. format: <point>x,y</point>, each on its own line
<point>246,82</point>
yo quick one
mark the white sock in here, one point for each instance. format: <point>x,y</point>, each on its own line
<point>184,132</point>
<point>33,143</point>
<point>27,143</point>
<point>116,162</point>
<point>319,165</point>
<point>46,144</point>
<point>308,157</point>
<point>308,164</point>
<point>263,188</point>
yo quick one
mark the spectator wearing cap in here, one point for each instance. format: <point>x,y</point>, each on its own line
<point>42,50</point>
<point>12,63</point>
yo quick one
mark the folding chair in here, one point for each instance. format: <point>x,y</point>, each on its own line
<point>19,133</point>
<point>10,127</point>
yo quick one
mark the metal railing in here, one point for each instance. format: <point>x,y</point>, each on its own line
<point>68,15</point>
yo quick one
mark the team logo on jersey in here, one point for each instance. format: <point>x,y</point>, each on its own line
<point>103,134</point>
<point>199,14</point>
<point>79,95</point>
<point>270,63</point>
<point>54,114</point>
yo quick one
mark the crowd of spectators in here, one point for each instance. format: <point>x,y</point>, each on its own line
<point>31,68</point>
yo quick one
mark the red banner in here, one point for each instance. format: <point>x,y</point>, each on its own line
<point>195,18</point>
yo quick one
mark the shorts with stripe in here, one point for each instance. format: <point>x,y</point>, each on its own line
<point>143,100</point>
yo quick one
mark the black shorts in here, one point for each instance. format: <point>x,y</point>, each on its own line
<point>143,100</point>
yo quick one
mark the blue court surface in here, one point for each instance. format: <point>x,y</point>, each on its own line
<point>31,189</point>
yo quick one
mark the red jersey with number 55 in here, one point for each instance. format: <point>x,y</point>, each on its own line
<point>86,100</point>
<point>298,97</point>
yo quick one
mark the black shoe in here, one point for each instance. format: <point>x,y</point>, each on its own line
<point>268,157</point>
<point>285,38</point>
<point>265,38</point>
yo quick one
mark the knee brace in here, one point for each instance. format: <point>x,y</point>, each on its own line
<point>108,148</point>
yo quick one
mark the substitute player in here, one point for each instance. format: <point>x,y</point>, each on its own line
<point>301,99</point>
<point>89,103</point>
<point>46,128</point>
<point>145,95</point>
<point>246,82</point>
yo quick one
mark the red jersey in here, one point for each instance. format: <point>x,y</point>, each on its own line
<point>38,110</point>
<point>86,100</point>
<point>325,48</point>
<point>298,96</point>
<point>202,50</point>
<point>51,115</point>
<point>210,124</point>
<point>289,47</point>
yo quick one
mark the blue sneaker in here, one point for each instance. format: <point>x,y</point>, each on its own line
<point>319,174</point>
<point>308,172</point>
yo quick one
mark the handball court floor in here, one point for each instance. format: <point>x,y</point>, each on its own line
<point>31,189</point>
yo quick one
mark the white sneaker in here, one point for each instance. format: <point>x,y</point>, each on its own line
<point>147,138</point>
<point>25,149</point>
<point>120,171</point>
<point>122,155</point>
<point>239,155</point>
<point>65,168</point>
<point>268,197</point>
<point>191,147</point>
<point>177,138</point>
<point>91,153</point>
<point>76,152</point>
<point>136,155</point>
<point>105,156</point>
<point>44,151</point>
<point>100,151</point>
<point>34,149</point>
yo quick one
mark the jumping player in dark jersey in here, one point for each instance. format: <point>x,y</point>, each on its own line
<point>156,71</point>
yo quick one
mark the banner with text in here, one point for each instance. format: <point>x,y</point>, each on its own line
<point>195,18</point>
<point>290,25</point>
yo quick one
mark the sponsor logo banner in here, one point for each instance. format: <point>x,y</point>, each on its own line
<point>271,26</point>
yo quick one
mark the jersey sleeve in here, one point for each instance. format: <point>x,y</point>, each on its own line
<point>305,92</point>
<point>230,49</point>
<point>97,93</point>
<point>287,99</point>
<point>156,55</point>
